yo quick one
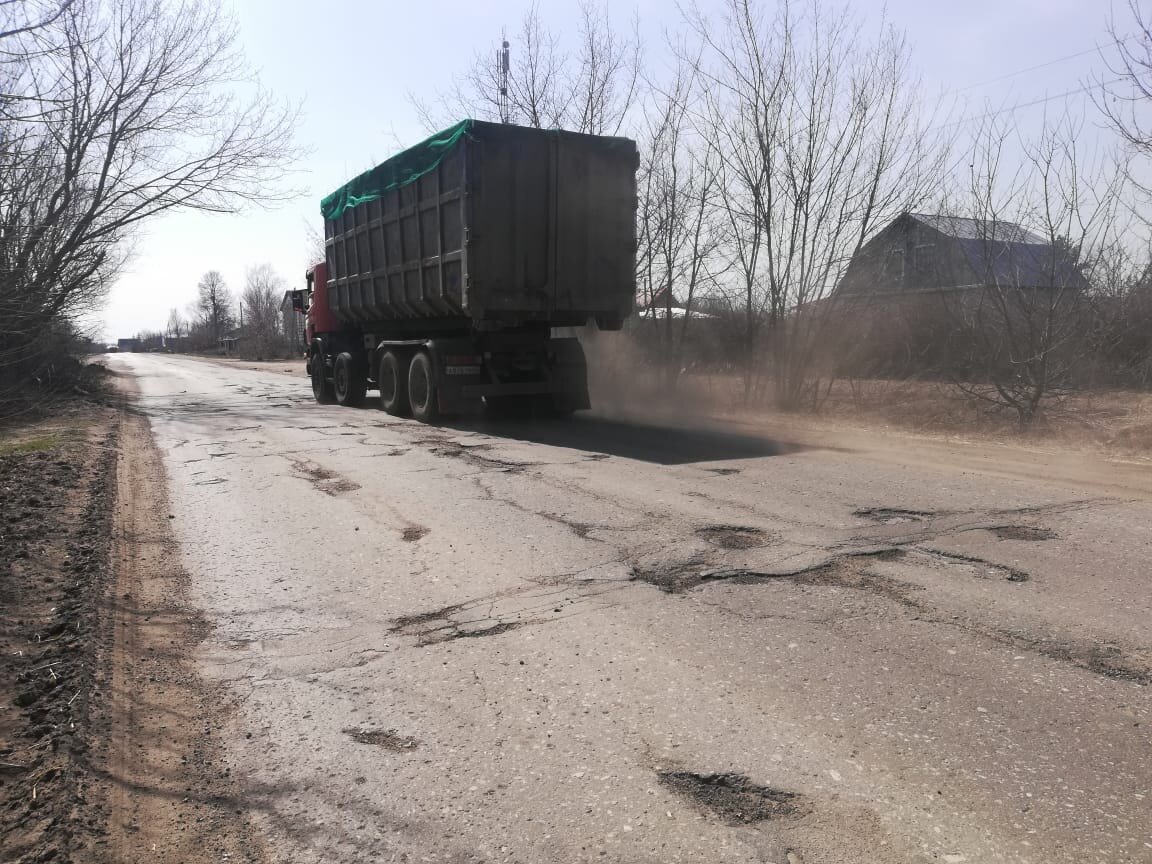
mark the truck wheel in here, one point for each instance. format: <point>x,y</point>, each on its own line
<point>422,389</point>
<point>393,380</point>
<point>321,386</point>
<point>349,380</point>
<point>571,370</point>
<point>563,406</point>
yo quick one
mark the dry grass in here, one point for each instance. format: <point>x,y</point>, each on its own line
<point>1113,423</point>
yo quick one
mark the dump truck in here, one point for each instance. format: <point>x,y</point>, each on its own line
<point>450,268</point>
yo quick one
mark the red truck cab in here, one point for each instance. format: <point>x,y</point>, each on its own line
<point>319,316</point>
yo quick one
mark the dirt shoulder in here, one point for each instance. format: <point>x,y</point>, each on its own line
<point>56,501</point>
<point>167,793</point>
<point>108,748</point>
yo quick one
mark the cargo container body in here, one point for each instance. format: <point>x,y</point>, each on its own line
<point>447,267</point>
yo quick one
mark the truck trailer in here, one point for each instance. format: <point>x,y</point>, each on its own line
<point>449,268</point>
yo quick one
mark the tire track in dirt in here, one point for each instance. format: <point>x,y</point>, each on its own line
<point>169,799</point>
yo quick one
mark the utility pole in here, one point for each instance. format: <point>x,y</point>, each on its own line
<point>502,67</point>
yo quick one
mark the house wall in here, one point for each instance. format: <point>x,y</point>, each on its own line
<point>907,256</point>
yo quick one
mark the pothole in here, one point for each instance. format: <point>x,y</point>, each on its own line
<point>450,631</point>
<point>471,453</point>
<point>978,567</point>
<point>733,797</point>
<point>492,630</point>
<point>419,618</point>
<point>435,627</point>
<point>733,536</point>
<point>676,577</point>
<point>413,533</point>
<point>723,472</point>
<point>672,577</point>
<point>892,515</point>
<point>853,571</point>
<point>326,481</point>
<point>389,739</point>
<point>1023,532</point>
<point>337,486</point>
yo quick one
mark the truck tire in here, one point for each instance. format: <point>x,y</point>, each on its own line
<point>422,388</point>
<point>563,406</point>
<point>349,380</point>
<point>393,380</point>
<point>321,386</point>
<point>571,369</point>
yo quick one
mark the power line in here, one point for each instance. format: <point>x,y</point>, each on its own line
<point>1095,49</point>
<point>1013,109</point>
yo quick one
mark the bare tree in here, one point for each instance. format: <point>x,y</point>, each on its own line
<point>821,144</point>
<point>676,231</point>
<point>117,111</point>
<point>314,245</point>
<point>261,298</point>
<point>214,306</point>
<point>177,326</point>
<point>1049,231</point>
<point>1120,330</point>
<point>592,88</point>
<point>1124,98</point>
<point>17,20</point>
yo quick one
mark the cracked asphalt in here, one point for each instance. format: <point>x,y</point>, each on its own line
<point>497,641</point>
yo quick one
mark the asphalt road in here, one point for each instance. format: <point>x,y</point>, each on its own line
<point>605,640</point>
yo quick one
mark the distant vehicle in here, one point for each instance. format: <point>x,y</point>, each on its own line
<point>448,266</point>
<point>111,349</point>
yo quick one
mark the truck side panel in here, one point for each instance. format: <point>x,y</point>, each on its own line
<point>402,256</point>
<point>514,225</point>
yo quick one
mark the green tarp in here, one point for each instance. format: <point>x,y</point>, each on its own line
<point>400,170</point>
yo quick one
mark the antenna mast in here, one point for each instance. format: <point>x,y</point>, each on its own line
<point>502,66</point>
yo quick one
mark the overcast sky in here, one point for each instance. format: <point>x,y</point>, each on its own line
<point>353,64</point>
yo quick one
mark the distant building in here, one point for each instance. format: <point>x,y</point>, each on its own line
<point>128,344</point>
<point>230,342</point>
<point>922,253</point>
<point>663,305</point>
<point>911,296</point>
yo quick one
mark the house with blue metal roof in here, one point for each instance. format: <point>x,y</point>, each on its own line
<point>921,253</point>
